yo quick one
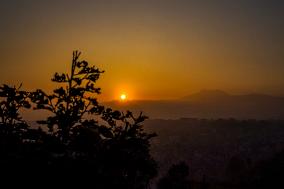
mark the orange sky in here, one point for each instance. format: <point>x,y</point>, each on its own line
<point>149,49</point>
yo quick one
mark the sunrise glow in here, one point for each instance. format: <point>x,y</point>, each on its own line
<point>123,97</point>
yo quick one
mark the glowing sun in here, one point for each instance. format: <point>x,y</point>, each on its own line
<point>123,97</point>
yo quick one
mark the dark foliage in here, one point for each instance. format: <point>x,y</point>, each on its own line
<point>12,99</point>
<point>12,127</point>
<point>72,100</point>
<point>86,143</point>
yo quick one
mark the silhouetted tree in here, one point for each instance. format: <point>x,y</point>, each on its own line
<point>86,136</point>
<point>12,100</point>
<point>13,128</point>
<point>70,102</point>
<point>12,125</point>
<point>176,177</point>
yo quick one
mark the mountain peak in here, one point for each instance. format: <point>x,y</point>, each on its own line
<point>213,92</point>
<point>207,94</point>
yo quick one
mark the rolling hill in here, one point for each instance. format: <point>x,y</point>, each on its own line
<point>209,104</point>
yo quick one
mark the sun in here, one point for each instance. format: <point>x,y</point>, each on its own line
<point>123,97</point>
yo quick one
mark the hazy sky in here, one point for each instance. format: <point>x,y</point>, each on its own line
<point>151,49</point>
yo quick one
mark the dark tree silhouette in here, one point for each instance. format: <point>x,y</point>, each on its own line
<point>70,102</point>
<point>12,100</point>
<point>176,177</point>
<point>13,128</point>
<point>84,135</point>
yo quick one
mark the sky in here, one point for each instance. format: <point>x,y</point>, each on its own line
<point>149,49</point>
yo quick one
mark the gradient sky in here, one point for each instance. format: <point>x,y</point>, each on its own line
<point>151,49</point>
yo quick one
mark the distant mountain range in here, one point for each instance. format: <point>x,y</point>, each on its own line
<point>209,104</point>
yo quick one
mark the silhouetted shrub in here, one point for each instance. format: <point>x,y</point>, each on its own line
<point>72,100</point>
<point>86,143</point>
<point>12,127</point>
<point>12,100</point>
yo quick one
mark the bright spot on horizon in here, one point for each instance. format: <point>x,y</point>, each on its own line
<point>123,97</point>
